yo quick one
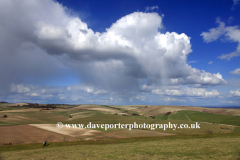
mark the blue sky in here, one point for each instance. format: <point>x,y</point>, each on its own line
<point>120,52</point>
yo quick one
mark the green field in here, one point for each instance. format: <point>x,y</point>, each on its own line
<point>101,117</point>
<point>205,117</point>
<point>214,118</point>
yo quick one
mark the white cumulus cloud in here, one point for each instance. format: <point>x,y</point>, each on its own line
<point>46,40</point>
<point>214,33</point>
<point>174,99</point>
<point>100,92</point>
<point>235,72</point>
<point>186,91</point>
<point>230,33</point>
<point>19,88</point>
<point>235,93</point>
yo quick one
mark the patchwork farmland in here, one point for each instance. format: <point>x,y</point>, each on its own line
<point>26,126</point>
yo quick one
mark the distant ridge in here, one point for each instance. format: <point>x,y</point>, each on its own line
<point>225,107</point>
<point>3,102</point>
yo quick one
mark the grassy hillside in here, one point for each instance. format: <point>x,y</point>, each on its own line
<point>214,118</point>
<point>208,142</point>
<point>179,147</point>
<point>104,117</point>
<point>205,117</point>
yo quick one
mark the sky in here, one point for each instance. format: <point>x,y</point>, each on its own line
<point>128,52</point>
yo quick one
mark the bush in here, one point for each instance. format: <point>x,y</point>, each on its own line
<point>168,113</point>
<point>135,114</point>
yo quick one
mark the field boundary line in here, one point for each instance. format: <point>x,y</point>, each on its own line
<point>188,117</point>
<point>221,124</point>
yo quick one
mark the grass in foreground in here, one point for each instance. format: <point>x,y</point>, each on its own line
<point>178,147</point>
